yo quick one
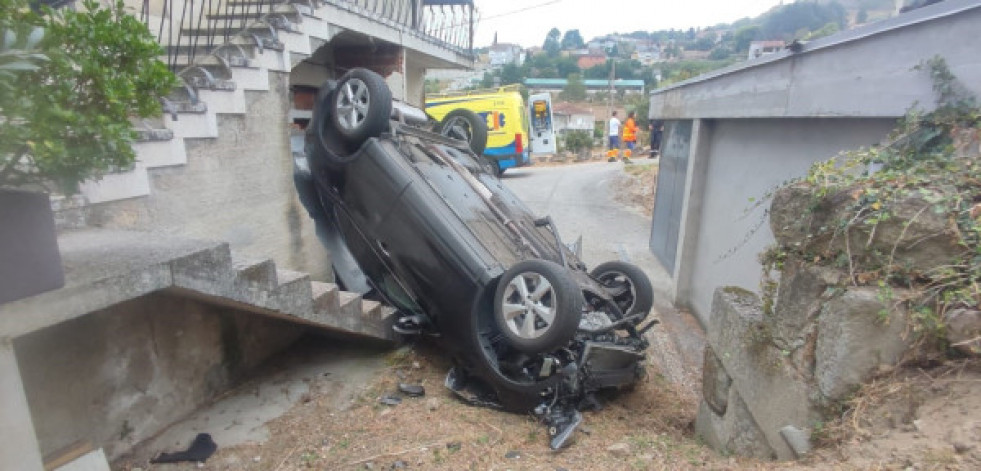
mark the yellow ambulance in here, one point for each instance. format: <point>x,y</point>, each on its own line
<point>504,111</point>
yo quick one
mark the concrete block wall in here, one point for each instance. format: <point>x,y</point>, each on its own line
<point>236,187</point>
<point>136,367</point>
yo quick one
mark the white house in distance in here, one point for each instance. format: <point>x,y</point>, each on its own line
<point>762,48</point>
<point>569,117</point>
<point>501,54</point>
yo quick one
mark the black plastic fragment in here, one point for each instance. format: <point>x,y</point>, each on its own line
<point>390,400</point>
<point>200,450</point>
<point>412,390</point>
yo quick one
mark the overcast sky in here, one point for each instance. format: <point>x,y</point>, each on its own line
<point>526,22</point>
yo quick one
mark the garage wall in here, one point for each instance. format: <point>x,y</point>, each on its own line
<point>745,156</point>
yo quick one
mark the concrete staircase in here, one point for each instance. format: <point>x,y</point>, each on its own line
<point>215,85</point>
<point>215,82</point>
<point>104,268</point>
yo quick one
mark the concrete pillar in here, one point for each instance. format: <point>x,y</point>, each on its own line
<point>691,212</point>
<point>18,448</point>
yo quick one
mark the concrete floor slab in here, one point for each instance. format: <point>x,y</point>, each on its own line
<point>332,368</point>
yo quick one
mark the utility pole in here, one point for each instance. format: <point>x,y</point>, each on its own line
<point>609,101</point>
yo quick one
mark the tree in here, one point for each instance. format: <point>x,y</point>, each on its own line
<point>649,76</point>
<point>511,73</point>
<point>786,21</point>
<point>719,53</point>
<point>704,43</point>
<point>862,16</point>
<point>601,71</point>
<point>572,40</point>
<point>575,89</point>
<point>552,45</point>
<point>567,65</point>
<point>487,81</point>
<point>746,35</point>
<point>826,30</point>
<point>432,86</point>
<point>69,120</point>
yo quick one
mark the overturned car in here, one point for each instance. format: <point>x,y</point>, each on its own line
<point>415,219</point>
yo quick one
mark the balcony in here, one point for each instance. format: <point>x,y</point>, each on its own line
<point>192,28</point>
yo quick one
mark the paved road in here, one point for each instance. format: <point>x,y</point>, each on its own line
<point>580,200</point>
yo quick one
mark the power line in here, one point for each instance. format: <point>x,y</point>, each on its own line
<point>521,10</point>
<point>499,15</point>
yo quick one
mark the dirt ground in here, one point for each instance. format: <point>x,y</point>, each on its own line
<point>907,419</point>
<point>637,184</point>
<point>911,419</point>
<point>647,428</point>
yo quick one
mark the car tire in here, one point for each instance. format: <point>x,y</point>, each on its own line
<point>629,285</point>
<point>490,166</point>
<point>361,106</point>
<point>537,306</point>
<point>466,126</point>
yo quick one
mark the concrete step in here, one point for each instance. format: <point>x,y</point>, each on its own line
<point>258,274</point>
<point>260,29</point>
<point>348,313</point>
<point>379,317</point>
<point>105,268</point>
<point>325,296</point>
<point>294,295</point>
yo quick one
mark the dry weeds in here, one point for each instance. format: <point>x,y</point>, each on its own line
<point>637,184</point>
<point>438,431</point>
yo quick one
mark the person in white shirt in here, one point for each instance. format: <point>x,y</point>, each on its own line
<point>614,132</point>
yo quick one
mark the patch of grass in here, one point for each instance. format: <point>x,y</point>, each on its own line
<point>939,458</point>
<point>641,168</point>
<point>641,442</point>
<point>308,457</point>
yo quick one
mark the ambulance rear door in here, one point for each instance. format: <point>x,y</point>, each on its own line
<point>542,138</point>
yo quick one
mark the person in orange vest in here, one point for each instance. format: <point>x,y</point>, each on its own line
<point>629,135</point>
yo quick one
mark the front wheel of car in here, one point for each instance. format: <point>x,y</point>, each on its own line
<point>628,285</point>
<point>361,106</point>
<point>537,306</point>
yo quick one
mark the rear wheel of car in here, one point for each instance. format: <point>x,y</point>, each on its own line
<point>628,284</point>
<point>466,126</point>
<point>537,306</point>
<point>489,166</point>
<point>361,106</point>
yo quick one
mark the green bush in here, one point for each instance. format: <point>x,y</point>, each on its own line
<point>576,141</point>
<point>65,110</point>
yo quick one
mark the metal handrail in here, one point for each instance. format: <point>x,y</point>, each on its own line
<point>191,28</point>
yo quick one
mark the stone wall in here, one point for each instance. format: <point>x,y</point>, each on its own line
<point>137,367</point>
<point>769,376</point>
